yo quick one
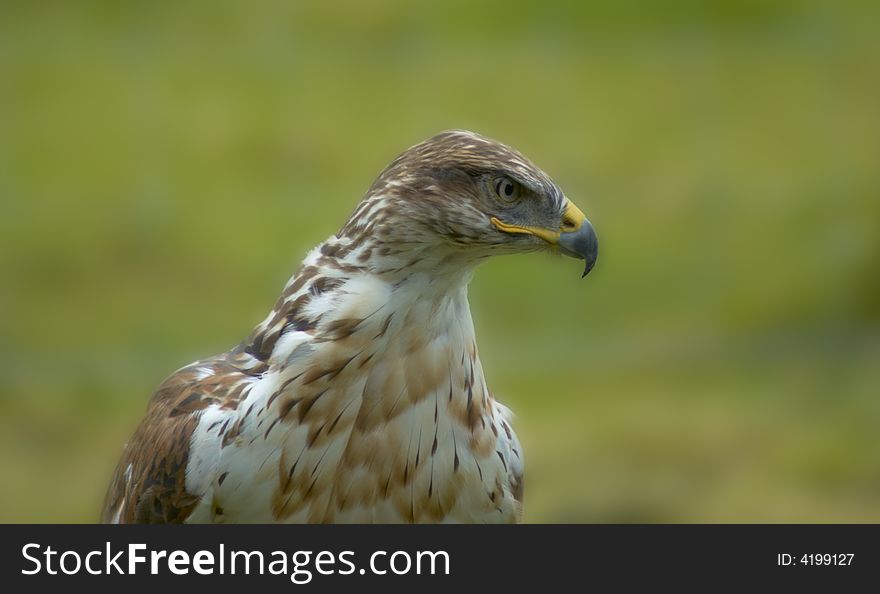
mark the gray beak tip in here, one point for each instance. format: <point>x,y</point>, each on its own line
<point>582,244</point>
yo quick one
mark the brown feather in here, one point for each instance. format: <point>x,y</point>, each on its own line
<point>154,490</point>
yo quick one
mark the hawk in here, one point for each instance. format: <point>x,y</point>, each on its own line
<point>361,398</point>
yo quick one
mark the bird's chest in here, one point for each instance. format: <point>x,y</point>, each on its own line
<point>420,443</point>
<point>392,424</point>
<point>429,453</point>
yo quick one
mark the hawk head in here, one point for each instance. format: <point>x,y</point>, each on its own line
<point>467,197</point>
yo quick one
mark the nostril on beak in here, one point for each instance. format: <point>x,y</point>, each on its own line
<point>569,224</point>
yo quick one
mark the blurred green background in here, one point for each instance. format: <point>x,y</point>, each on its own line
<point>164,166</point>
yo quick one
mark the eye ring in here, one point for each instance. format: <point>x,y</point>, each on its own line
<point>507,189</point>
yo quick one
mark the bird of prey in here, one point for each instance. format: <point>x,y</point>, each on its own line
<point>361,398</point>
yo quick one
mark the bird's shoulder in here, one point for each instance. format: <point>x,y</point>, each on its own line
<point>149,484</point>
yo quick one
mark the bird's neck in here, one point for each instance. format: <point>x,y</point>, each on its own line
<point>405,338</point>
<point>431,304</point>
<point>422,334</point>
<point>405,290</point>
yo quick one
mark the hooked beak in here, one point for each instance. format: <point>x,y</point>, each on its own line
<point>581,241</point>
<point>575,238</point>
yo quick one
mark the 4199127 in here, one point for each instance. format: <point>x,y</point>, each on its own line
<point>815,559</point>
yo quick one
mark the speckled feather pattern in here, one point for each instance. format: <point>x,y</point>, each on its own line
<point>361,396</point>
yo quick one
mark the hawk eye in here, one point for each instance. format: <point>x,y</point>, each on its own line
<point>506,189</point>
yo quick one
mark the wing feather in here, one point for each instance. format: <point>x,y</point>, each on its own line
<point>149,483</point>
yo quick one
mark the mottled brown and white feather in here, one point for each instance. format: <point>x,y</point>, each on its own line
<point>361,396</point>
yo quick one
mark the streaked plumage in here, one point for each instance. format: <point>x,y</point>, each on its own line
<point>361,397</point>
